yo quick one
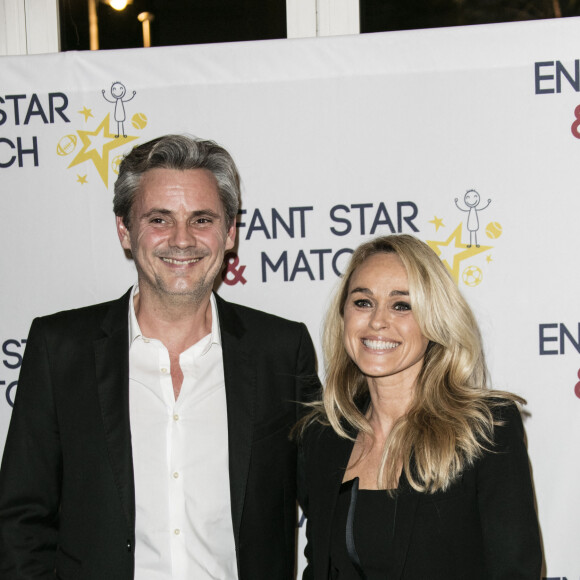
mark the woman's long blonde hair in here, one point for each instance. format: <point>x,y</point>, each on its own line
<point>450,421</point>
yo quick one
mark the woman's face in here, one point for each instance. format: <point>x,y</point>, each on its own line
<point>380,333</point>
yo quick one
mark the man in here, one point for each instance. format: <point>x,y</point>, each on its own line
<point>149,437</point>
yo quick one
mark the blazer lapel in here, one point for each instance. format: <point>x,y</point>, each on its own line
<point>240,384</point>
<point>112,372</point>
<point>331,463</point>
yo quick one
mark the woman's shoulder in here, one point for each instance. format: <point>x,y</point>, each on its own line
<point>507,422</point>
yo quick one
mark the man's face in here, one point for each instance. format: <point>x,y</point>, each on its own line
<point>178,233</point>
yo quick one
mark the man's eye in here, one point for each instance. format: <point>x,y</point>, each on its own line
<point>157,221</point>
<point>402,306</point>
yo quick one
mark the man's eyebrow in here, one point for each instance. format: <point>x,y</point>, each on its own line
<point>197,213</point>
<point>205,212</point>
<point>156,211</point>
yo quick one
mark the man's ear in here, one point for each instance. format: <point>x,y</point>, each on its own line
<point>231,236</point>
<point>123,234</point>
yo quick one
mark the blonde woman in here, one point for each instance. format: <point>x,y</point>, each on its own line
<point>412,468</point>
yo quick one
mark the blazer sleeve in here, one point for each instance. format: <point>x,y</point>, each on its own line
<point>506,504</point>
<point>307,382</point>
<point>309,391</point>
<point>30,476</point>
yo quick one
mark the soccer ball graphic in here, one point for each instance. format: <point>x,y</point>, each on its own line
<point>472,276</point>
<point>115,163</point>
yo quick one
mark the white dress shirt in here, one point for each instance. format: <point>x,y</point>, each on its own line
<point>180,459</point>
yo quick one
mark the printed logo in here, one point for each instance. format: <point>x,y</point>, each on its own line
<point>96,147</point>
<point>467,262</point>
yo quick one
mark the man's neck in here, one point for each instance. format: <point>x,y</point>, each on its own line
<point>178,322</point>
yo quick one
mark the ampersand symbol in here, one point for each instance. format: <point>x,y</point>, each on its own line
<point>576,123</point>
<point>232,262</point>
<point>577,387</point>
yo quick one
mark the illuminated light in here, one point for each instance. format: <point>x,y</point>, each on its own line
<point>118,4</point>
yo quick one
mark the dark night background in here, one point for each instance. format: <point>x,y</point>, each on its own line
<point>206,21</point>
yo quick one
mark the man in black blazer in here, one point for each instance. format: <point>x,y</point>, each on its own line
<point>70,494</point>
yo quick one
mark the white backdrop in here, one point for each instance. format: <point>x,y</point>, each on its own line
<point>337,140</point>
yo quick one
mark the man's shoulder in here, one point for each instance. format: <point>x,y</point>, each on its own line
<point>253,316</point>
<point>84,316</point>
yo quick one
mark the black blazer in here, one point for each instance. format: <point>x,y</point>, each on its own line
<point>483,527</point>
<point>67,504</point>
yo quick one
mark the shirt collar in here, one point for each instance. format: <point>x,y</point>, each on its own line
<point>135,331</point>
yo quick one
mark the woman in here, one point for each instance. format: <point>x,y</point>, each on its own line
<point>412,468</point>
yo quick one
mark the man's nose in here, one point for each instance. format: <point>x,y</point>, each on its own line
<point>182,236</point>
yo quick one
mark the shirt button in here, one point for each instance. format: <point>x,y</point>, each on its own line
<point>164,370</point>
<point>176,417</point>
<point>146,340</point>
<point>176,475</point>
<point>177,531</point>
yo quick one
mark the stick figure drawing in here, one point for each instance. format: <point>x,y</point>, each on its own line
<point>118,91</point>
<point>472,200</point>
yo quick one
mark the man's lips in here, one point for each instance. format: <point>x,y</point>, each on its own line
<point>181,262</point>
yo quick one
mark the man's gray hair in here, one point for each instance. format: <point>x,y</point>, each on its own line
<point>177,152</point>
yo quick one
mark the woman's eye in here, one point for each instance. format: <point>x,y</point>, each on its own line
<point>402,306</point>
<point>362,303</point>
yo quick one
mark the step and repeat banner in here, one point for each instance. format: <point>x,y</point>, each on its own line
<point>468,138</point>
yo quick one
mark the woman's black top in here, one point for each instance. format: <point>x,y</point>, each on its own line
<point>362,530</point>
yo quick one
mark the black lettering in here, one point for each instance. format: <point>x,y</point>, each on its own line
<point>10,397</point>
<point>22,152</point>
<point>12,353</point>
<point>407,219</point>
<point>564,332</point>
<point>261,227</point>
<point>240,224</point>
<point>3,115</point>
<point>539,78</point>
<point>15,99</point>
<point>304,268</point>
<point>321,260</point>
<point>560,70</point>
<point>382,218</point>
<point>283,261</point>
<point>335,218</point>
<point>302,211</point>
<point>13,158</point>
<point>335,259</point>
<point>276,217</point>
<point>35,108</point>
<point>54,107</point>
<point>362,207</point>
<point>544,339</point>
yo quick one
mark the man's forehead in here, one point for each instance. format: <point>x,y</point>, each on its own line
<point>160,187</point>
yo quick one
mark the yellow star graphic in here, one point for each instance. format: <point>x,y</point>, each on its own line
<point>452,254</point>
<point>86,112</point>
<point>437,222</point>
<point>101,138</point>
<point>488,258</point>
<point>82,179</point>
